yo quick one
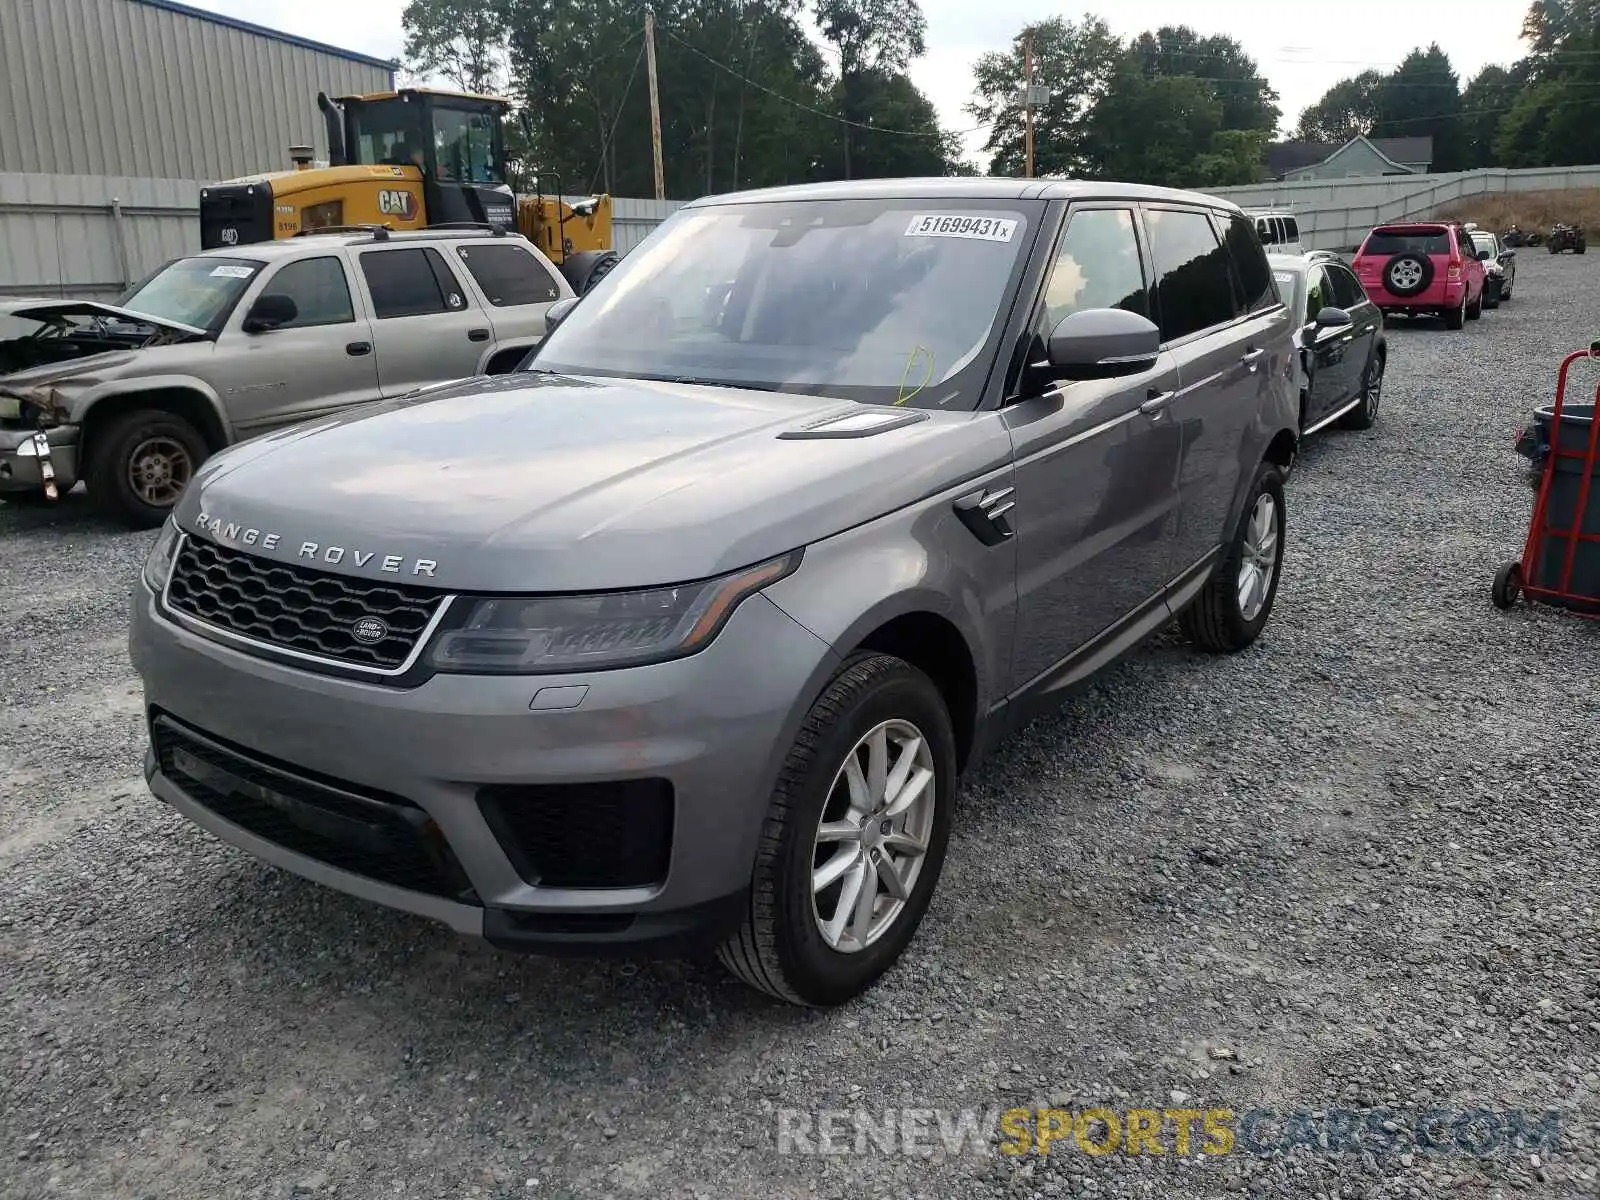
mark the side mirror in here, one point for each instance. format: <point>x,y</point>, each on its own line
<point>1483,256</point>
<point>1333,318</point>
<point>558,311</point>
<point>1507,255</point>
<point>1103,343</point>
<point>269,312</point>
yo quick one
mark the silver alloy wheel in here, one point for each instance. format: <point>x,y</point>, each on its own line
<point>1260,557</point>
<point>873,835</point>
<point>158,470</point>
<point>1405,275</point>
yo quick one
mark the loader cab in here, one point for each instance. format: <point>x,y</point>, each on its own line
<point>456,141</point>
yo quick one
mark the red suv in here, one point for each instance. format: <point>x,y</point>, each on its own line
<point>1423,267</point>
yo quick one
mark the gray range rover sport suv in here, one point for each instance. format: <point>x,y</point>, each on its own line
<point>685,632</point>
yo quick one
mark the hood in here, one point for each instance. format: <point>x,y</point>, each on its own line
<point>36,310</point>
<point>533,482</point>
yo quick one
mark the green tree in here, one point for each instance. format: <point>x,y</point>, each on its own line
<point>1248,100</point>
<point>1422,98</point>
<point>1077,62</point>
<point>462,40</point>
<point>1486,99</point>
<point>875,40</point>
<point>1555,119</point>
<point>1348,108</point>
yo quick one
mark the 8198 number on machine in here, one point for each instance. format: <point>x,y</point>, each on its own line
<point>983,229</point>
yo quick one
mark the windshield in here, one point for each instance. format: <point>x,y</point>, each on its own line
<point>882,301</point>
<point>1484,241</point>
<point>194,291</point>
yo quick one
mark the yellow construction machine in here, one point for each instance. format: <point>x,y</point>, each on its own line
<point>409,159</point>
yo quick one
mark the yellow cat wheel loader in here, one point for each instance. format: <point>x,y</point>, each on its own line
<point>409,159</point>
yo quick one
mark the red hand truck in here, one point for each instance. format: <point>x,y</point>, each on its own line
<point>1560,563</point>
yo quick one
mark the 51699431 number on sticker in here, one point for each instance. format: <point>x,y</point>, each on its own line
<point>983,229</point>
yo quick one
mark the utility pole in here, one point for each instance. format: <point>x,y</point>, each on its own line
<point>1027,99</point>
<point>655,99</point>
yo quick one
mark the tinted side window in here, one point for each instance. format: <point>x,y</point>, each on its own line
<point>319,289</point>
<point>1347,289</point>
<point>1097,266</point>
<point>1194,288</point>
<point>1291,230</point>
<point>509,274</point>
<point>1251,269</point>
<point>403,283</point>
<point>1318,293</point>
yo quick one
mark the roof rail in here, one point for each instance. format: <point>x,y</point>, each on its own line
<point>380,233</point>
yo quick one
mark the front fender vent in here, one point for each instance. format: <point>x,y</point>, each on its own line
<point>855,423</point>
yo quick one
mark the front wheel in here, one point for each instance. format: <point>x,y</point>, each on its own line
<point>1233,609</point>
<point>854,837</point>
<point>1364,414</point>
<point>1507,585</point>
<point>139,464</point>
<point>1475,309</point>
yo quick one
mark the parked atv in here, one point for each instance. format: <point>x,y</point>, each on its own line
<point>1517,237</point>
<point>1567,237</point>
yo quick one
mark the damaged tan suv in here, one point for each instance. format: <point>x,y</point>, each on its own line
<point>223,345</point>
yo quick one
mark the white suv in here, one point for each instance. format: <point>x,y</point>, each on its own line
<point>1279,231</point>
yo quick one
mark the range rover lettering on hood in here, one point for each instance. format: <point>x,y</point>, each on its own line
<point>245,536</point>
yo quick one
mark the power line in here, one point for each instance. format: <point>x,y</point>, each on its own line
<point>790,100</point>
<point>616,118</point>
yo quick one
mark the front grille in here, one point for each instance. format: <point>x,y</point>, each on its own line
<point>294,608</point>
<point>380,837</point>
<point>584,835</point>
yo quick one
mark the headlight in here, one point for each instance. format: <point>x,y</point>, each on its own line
<point>530,635</point>
<point>158,563</point>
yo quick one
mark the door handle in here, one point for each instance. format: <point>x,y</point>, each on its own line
<point>1253,359</point>
<point>1155,402</point>
<point>357,349</point>
<point>478,335</point>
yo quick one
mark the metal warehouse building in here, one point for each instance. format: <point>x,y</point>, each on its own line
<point>113,114</point>
<point>154,89</point>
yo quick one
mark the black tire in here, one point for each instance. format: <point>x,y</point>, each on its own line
<point>1423,262</point>
<point>1364,414</point>
<point>586,268</point>
<point>1491,296</point>
<point>1507,585</point>
<point>1214,621</point>
<point>1475,309</point>
<point>1456,318</point>
<point>779,949</point>
<point>135,438</point>
<point>1580,247</point>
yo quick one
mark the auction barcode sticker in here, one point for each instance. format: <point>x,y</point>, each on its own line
<point>983,229</point>
<point>229,272</point>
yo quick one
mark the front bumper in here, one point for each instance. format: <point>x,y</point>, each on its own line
<point>715,726</point>
<point>28,466</point>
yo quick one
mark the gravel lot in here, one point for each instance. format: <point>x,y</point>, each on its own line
<point>1361,858</point>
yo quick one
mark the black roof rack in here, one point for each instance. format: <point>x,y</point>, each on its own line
<point>380,233</point>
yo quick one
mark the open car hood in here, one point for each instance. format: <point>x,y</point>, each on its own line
<point>45,310</point>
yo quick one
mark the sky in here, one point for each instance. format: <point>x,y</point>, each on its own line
<point>1301,49</point>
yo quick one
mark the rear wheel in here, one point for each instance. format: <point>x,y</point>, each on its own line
<point>854,837</point>
<point>1507,585</point>
<point>1232,610</point>
<point>1475,309</point>
<point>1456,318</point>
<point>140,463</point>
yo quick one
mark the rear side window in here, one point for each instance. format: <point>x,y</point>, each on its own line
<point>1194,285</point>
<point>1291,230</point>
<point>1097,266</point>
<point>509,274</point>
<point>409,283</point>
<point>1251,270</point>
<point>1385,242</point>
